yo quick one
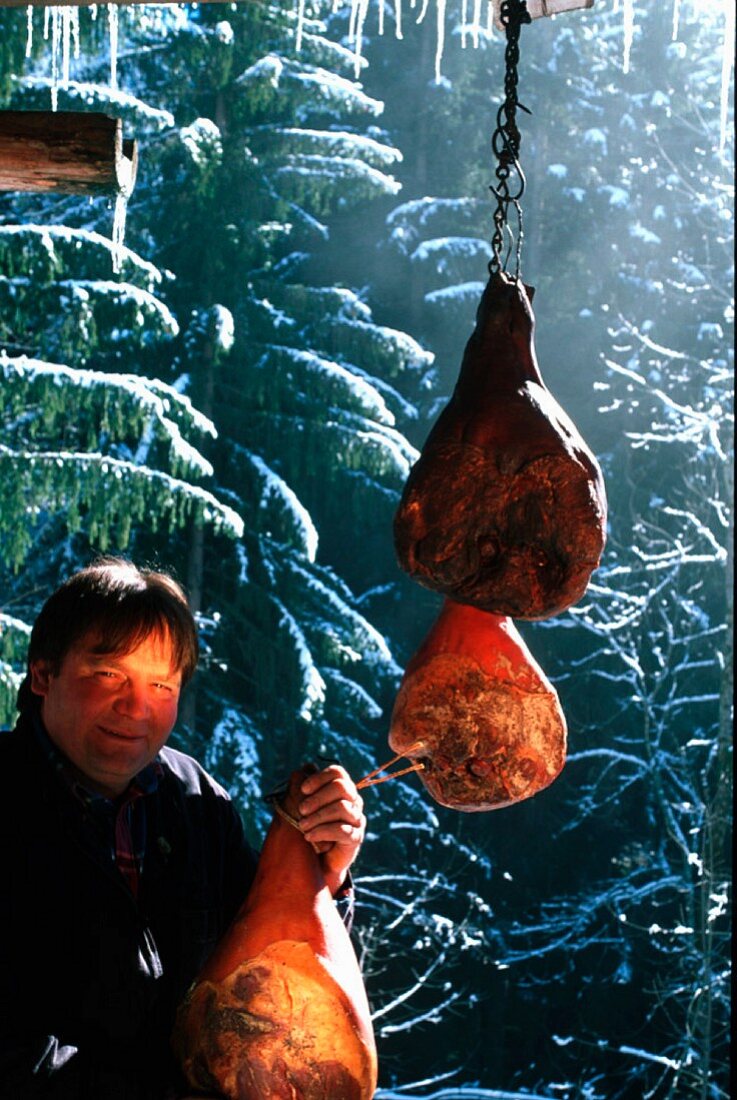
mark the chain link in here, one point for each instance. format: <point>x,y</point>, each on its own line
<point>505,143</point>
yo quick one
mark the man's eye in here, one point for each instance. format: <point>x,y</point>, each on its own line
<point>163,687</point>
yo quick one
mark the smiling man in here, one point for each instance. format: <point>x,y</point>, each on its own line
<point>123,861</point>
<point>110,713</point>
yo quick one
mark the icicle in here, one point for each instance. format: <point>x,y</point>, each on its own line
<point>55,33</point>
<point>476,22</point>
<point>440,6</point>
<point>300,22</point>
<point>29,29</point>
<point>112,19</point>
<point>727,60</point>
<point>47,18</point>
<point>65,43</point>
<point>628,13</point>
<point>118,236</point>
<point>490,20</point>
<point>423,11</point>
<point>676,18</point>
<point>353,20</point>
<point>381,17</point>
<point>75,31</point>
<point>464,21</point>
<point>361,11</point>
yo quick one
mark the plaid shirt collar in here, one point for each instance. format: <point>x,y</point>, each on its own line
<point>123,820</point>
<point>146,782</point>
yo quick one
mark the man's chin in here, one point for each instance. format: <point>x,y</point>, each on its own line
<point>116,761</point>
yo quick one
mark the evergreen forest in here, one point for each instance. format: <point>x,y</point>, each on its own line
<point>238,391</point>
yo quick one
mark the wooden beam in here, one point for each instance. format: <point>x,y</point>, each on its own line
<point>537,8</point>
<point>70,151</point>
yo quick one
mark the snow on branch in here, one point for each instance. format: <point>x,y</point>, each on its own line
<point>146,305</point>
<point>370,645</point>
<point>125,105</point>
<point>310,87</point>
<point>279,500</point>
<point>409,221</point>
<point>328,143</point>
<point>686,423</point>
<point>446,252</point>
<point>14,637</point>
<point>113,493</point>
<point>121,402</point>
<point>10,681</point>
<point>312,683</point>
<point>459,296</point>
<point>314,180</point>
<point>232,751</point>
<point>57,244</point>
<point>203,141</point>
<point>356,699</point>
<point>335,382</point>
<point>404,350</point>
<point>342,323</point>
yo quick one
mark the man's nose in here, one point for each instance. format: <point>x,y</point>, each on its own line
<point>133,702</point>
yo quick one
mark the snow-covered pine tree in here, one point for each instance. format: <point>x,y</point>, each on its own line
<point>85,449</point>
<point>290,366</point>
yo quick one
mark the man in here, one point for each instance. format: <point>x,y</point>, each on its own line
<point>123,861</point>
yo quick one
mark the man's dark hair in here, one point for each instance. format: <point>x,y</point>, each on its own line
<point>119,606</point>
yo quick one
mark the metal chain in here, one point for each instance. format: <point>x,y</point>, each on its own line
<point>505,142</point>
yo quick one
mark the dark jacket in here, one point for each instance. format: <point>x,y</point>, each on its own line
<point>90,976</point>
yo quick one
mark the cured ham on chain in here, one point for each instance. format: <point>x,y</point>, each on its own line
<point>477,711</point>
<point>505,508</point>
<point>279,1011</point>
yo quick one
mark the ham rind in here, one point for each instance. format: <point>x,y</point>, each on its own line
<point>476,710</point>
<point>505,508</point>
<point>279,1011</point>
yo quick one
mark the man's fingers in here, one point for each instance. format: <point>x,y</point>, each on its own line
<point>342,809</point>
<point>338,832</point>
<point>331,783</point>
<point>316,780</point>
<point>338,788</point>
<point>332,820</point>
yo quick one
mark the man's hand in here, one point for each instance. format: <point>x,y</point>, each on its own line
<point>332,820</point>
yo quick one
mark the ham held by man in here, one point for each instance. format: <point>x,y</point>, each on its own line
<point>279,1011</point>
<point>505,508</point>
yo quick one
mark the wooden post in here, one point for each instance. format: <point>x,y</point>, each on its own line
<point>69,151</point>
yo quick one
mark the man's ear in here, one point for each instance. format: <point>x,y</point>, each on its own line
<point>40,677</point>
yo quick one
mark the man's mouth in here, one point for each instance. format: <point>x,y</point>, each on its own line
<point>120,735</point>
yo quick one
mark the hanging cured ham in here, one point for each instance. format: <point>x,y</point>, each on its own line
<point>479,714</point>
<point>280,1012</point>
<point>505,509</point>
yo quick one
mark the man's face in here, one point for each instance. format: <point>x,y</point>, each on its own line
<point>110,713</point>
